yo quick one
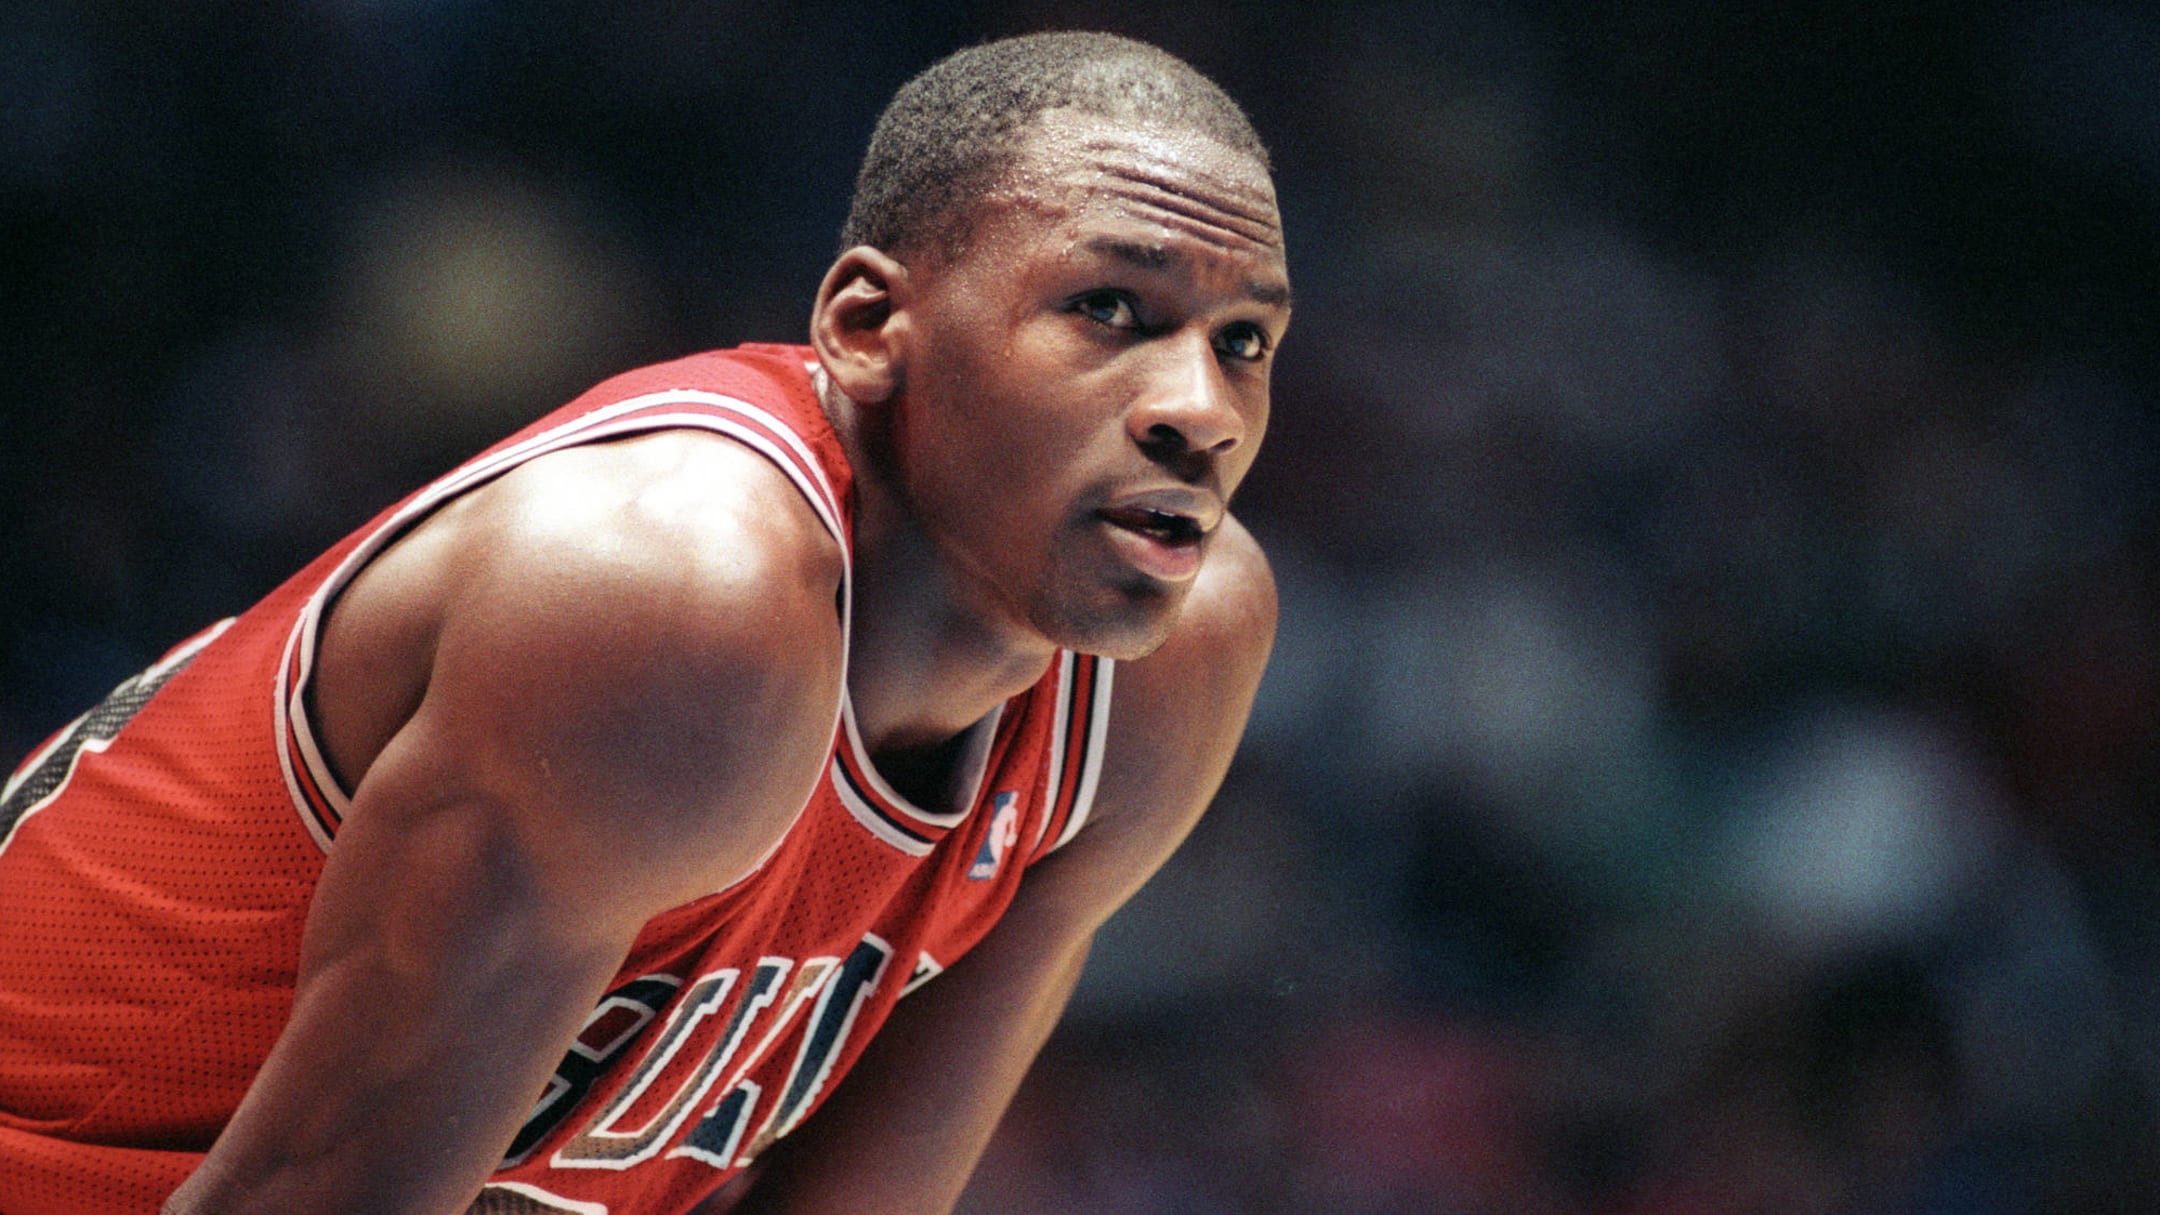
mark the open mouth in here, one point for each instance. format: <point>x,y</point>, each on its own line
<point>1161,533</point>
<point>1164,527</point>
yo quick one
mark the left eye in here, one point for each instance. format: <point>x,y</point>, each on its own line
<point>1242,342</point>
<point>1108,308</point>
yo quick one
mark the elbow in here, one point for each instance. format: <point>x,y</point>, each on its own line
<point>188,1199</point>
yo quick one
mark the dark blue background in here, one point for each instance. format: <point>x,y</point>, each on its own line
<point>1709,761</point>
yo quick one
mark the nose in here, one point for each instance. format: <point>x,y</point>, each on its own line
<point>1188,407</point>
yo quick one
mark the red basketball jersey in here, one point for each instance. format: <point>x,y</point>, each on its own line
<point>158,855</point>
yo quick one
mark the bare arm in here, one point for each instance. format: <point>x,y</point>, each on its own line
<point>625,664</point>
<point>901,1135</point>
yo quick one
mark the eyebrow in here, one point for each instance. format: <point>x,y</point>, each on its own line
<point>1158,258</point>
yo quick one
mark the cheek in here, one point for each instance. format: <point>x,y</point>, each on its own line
<point>1009,422</point>
<point>1255,405</point>
<point>1024,422</point>
<point>1247,456</point>
<point>984,468</point>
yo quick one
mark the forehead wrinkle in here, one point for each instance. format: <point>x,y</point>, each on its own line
<point>1225,239</point>
<point>1208,230</point>
<point>1195,210</point>
<point>1143,160</point>
<point>1205,202</point>
<point>1202,220</point>
<point>1164,166</point>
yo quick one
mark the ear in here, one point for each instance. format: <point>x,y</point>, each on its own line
<point>859,324</point>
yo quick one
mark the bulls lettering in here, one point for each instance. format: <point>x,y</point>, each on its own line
<point>720,1028</point>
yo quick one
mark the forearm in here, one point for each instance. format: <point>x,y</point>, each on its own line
<point>360,1118</point>
<point>437,990</point>
<point>903,1135</point>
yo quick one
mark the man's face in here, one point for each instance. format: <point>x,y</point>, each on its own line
<point>1087,377</point>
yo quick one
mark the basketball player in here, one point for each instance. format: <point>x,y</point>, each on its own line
<point>560,840</point>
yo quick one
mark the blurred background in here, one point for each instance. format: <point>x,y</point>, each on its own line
<point>1709,761</point>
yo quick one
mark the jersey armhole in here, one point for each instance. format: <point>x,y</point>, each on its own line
<point>1079,732</point>
<point>317,795</point>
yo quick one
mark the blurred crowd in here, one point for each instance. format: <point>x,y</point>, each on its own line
<point>1708,764</point>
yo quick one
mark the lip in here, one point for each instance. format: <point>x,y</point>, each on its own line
<point>1202,510</point>
<point>1165,559</point>
<point>1162,533</point>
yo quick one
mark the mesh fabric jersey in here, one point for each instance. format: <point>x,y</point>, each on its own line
<point>158,855</point>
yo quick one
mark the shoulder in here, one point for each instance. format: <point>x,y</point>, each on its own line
<point>656,588</point>
<point>1227,628</point>
<point>1175,719</point>
<point>637,522</point>
<point>636,642</point>
<point>1176,715</point>
<point>616,562</point>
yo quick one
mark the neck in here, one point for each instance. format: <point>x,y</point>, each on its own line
<point>925,662</point>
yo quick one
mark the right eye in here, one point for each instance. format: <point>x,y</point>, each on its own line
<point>1112,308</point>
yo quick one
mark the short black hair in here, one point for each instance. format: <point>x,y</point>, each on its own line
<point>951,131</point>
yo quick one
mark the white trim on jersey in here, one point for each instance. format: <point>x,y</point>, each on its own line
<point>1056,771</point>
<point>292,721</point>
<point>290,714</point>
<point>974,762</point>
<point>790,453</point>
<point>1098,742</point>
<point>867,815</point>
<point>11,831</point>
<point>541,1198</point>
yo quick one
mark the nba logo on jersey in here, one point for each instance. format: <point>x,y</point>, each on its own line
<point>1004,833</point>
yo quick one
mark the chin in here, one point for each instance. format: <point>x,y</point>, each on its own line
<point>1135,627</point>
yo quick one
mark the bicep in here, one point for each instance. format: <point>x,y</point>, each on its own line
<point>463,926</point>
<point>606,731</point>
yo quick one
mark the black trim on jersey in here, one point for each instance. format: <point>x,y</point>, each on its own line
<point>877,807</point>
<point>49,772</point>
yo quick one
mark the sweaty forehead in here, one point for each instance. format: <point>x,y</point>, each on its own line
<point>1164,174</point>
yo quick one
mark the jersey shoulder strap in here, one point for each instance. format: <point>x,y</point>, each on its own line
<point>762,396</point>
